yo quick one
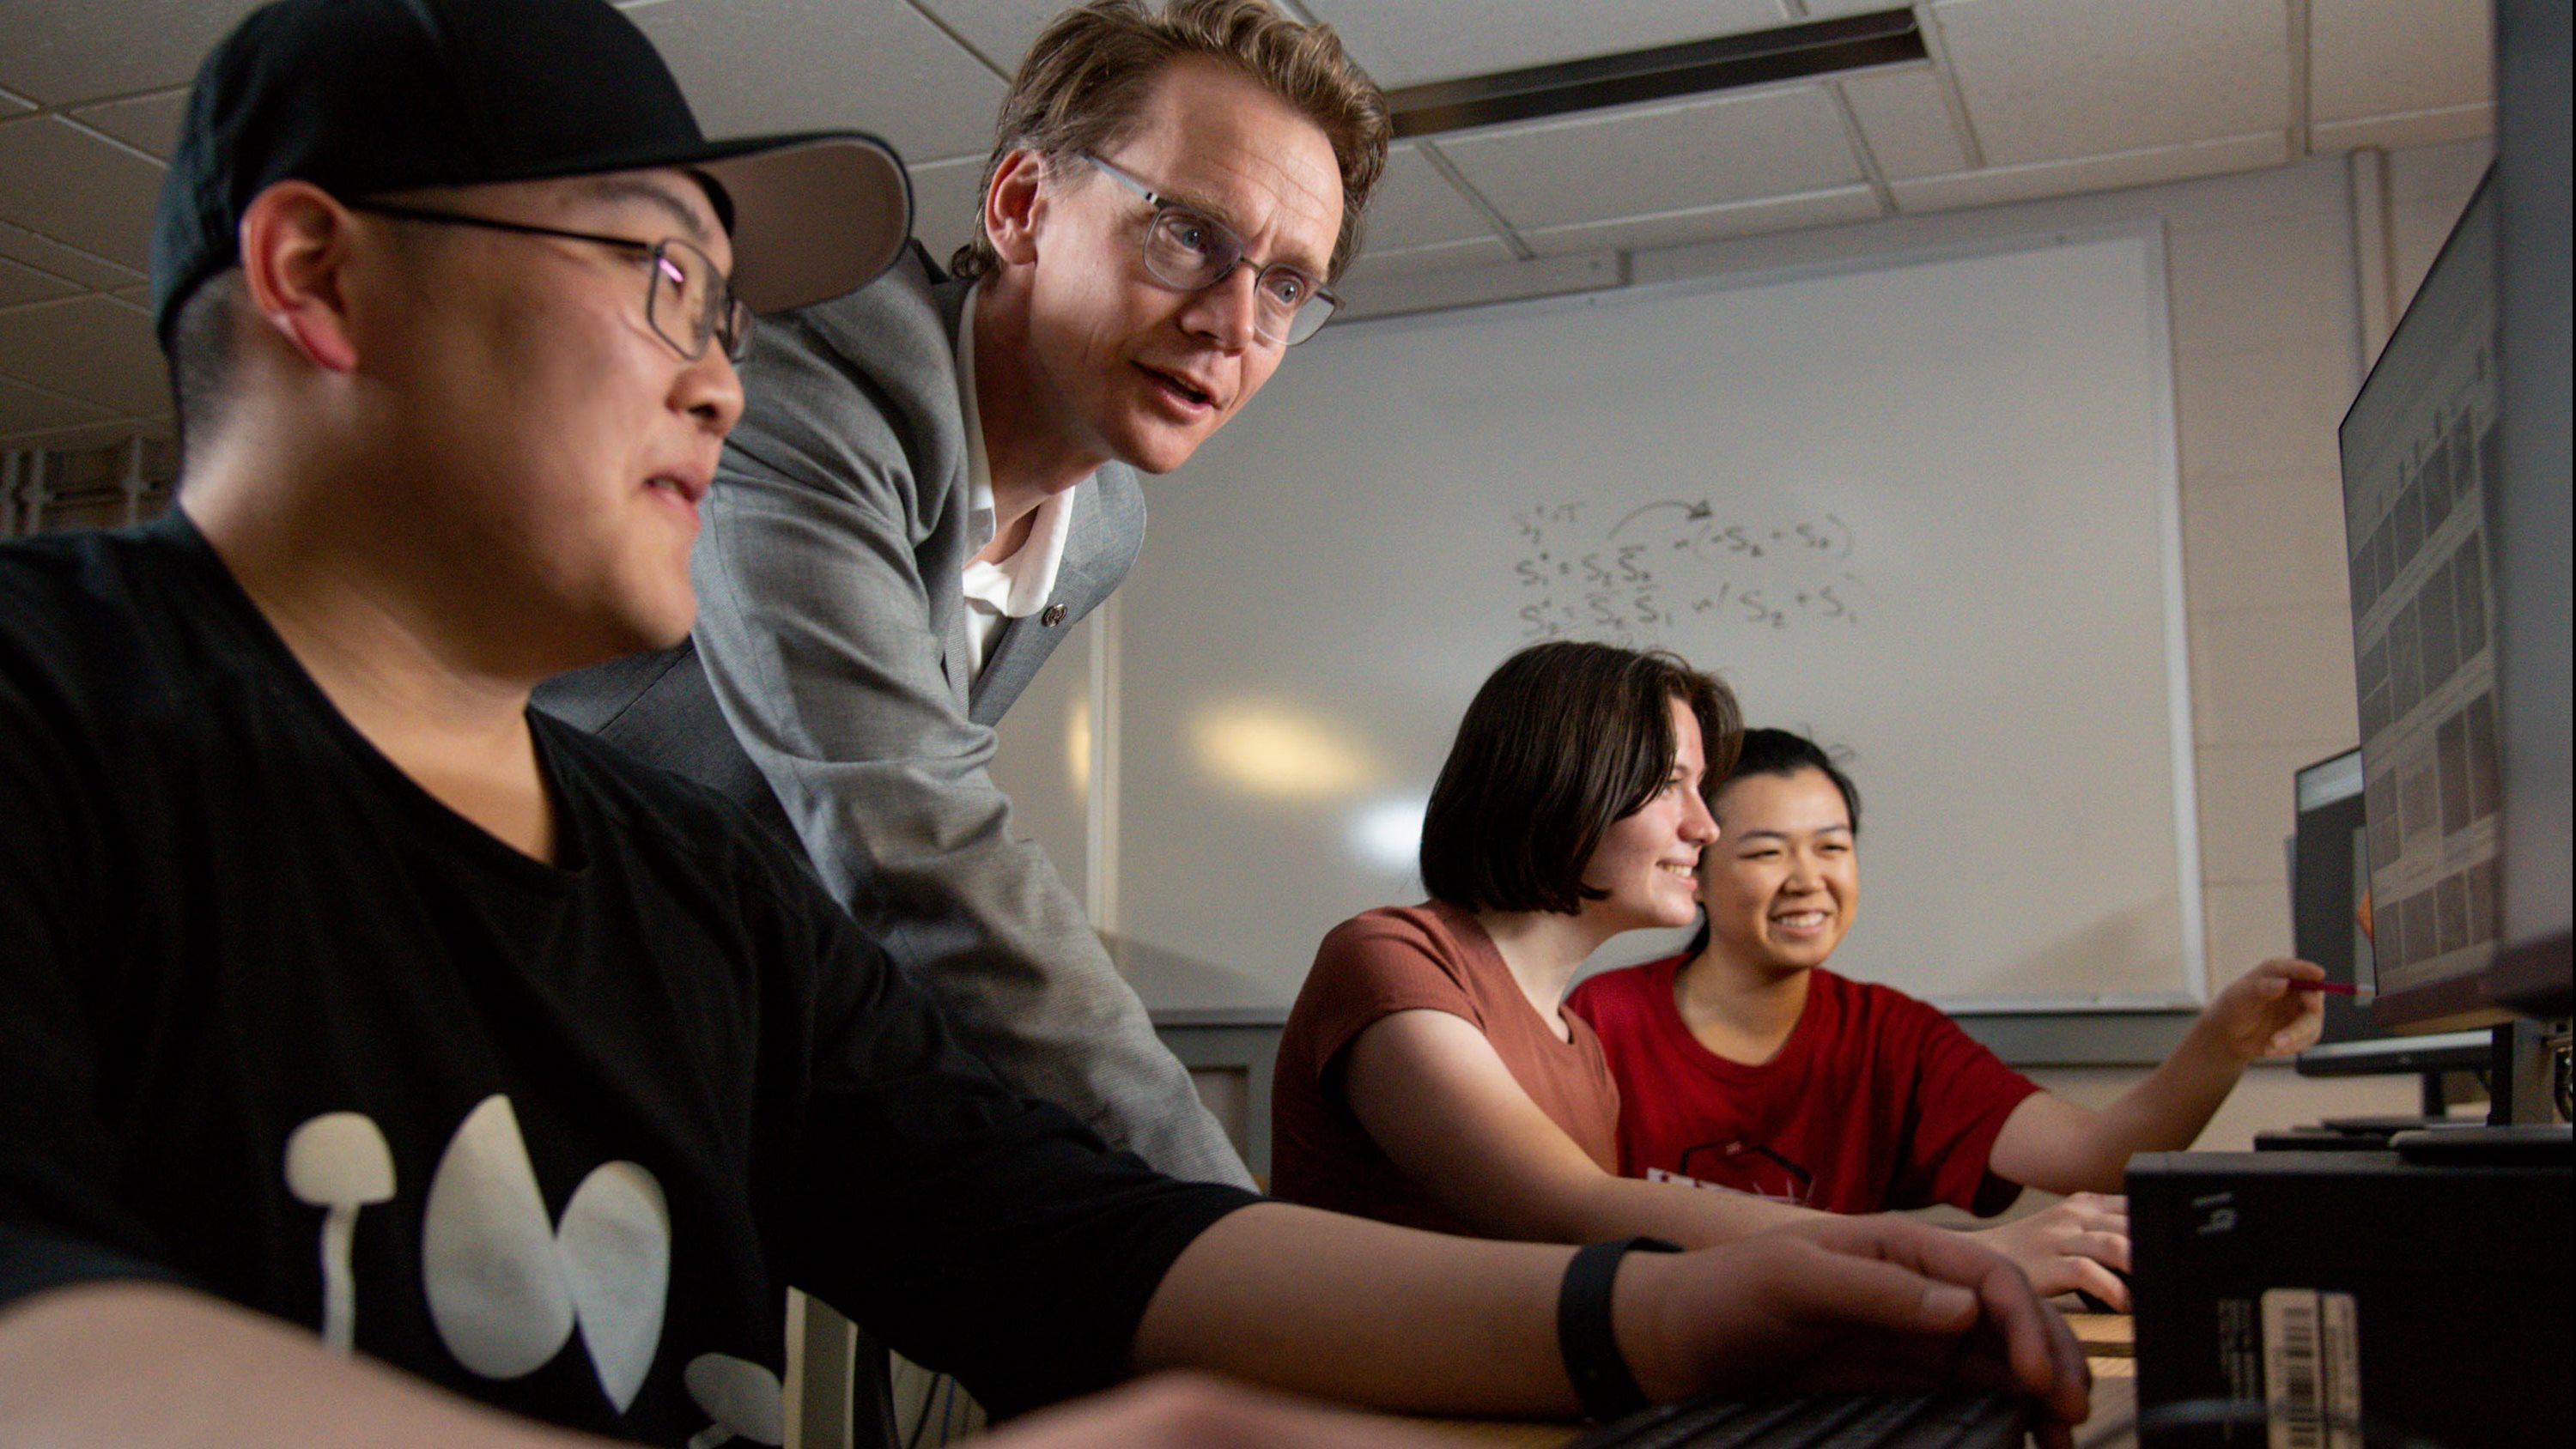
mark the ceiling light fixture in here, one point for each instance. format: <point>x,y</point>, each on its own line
<point>1815,47</point>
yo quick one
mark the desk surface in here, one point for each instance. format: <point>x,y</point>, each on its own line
<point>2109,1347</point>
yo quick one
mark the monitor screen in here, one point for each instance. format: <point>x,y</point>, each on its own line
<point>2457,501</point>
<point>2329,874</point>
<point>2420,455</point>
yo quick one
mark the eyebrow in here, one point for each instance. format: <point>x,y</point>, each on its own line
<point>662,198</point>
<point>1744,835</point>
<point>1226,219</point>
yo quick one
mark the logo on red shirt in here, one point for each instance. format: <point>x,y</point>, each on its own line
<point>1741,1166</point>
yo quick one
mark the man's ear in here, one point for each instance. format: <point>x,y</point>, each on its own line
<point>295,249</point>
<point>1015,207</point>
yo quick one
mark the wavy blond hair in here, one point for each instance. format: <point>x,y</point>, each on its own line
<point>1087,77</point>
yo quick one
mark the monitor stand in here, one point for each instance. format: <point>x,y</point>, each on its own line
<point>2514,1144</point>
<point>2523,1125</point>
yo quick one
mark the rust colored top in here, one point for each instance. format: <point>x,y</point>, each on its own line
<point>1405,958</point>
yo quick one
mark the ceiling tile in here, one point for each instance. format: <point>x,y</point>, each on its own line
<point>1661,158</point>
<point>26,284</point>
<point>1709,223</point>
<point>1416,206</point>
<point>2370,58</point>
<point>64,183</point>
<point>1002,30</point>
<point>1439,256</point>
<point>2414,128</point>
<point>47,255</point>
<point>2054,80</point>
<point>1997,185</point>
<point>1906,122</point>
<point>24,409</point>
<point>1440,289</point>
<point>62,52</point>
<point>944,200</point>
<point>149,122</point>
<point>1427,40</point>
<point>787,65</point>
<point>91,348</point>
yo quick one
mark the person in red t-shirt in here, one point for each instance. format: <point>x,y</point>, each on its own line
<point>1744,1064</point>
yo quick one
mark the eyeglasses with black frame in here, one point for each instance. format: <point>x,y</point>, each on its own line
<point>1188,251</point>
<point>687,299</point>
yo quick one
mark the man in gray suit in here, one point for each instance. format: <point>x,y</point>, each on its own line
<point>935,480</point>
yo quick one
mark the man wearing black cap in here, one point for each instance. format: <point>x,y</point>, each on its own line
<point>338,990</point>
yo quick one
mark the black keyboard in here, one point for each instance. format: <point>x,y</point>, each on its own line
<point>1828,1421</point>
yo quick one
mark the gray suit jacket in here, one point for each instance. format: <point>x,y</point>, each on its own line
<point>827,687</point>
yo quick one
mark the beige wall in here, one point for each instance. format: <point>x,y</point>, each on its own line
<point>2269,1097</point>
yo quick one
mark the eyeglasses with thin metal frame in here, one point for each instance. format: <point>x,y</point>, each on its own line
<point>1188,251</point>
<point>687,300</point>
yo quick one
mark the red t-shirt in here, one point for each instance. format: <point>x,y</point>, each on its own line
<point>1404,958</point>
<point>1875,1101</point>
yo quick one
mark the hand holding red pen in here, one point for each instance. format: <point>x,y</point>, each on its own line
<point>2273,1010</point>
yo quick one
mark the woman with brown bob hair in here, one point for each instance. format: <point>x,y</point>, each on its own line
<point>1429,1075</point>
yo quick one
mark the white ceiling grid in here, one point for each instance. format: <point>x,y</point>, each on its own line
<point>2019,99</point>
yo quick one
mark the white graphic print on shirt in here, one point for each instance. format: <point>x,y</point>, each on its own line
<point>506,1284</point>
<point>744,1399</point>
<point>339,1162</point>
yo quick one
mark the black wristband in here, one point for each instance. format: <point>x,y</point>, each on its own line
<point>1583,1331</point>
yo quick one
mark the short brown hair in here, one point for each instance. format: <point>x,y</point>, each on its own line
<point>1086,78</point>
<point>1563,740</point>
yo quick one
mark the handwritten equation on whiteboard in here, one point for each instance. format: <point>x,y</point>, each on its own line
<point>1644,570</point>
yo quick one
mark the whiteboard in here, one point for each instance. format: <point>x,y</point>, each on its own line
<point>1924,509</point>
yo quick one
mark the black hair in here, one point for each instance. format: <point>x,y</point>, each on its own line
<point>201,355</point>
<point>1782,752</point>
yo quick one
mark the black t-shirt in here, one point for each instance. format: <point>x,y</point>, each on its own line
<point>276,1023</point>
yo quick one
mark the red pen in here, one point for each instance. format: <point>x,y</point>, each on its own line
<point>2333,988</point>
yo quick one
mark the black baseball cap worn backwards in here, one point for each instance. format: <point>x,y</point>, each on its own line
<point>362,97</point>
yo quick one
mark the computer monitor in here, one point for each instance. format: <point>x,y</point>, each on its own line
<point>2329,872</point>
<point>2457,509</point>
<point>2421,454</point>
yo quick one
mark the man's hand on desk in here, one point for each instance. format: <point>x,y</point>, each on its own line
<point>2072,1246</point>
<point>1192,1411</point>
<point>1845,1304</point>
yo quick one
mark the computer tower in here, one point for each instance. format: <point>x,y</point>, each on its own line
<point>2432,1298</point>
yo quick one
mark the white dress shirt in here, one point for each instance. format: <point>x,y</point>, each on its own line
<point>1019,585</point>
